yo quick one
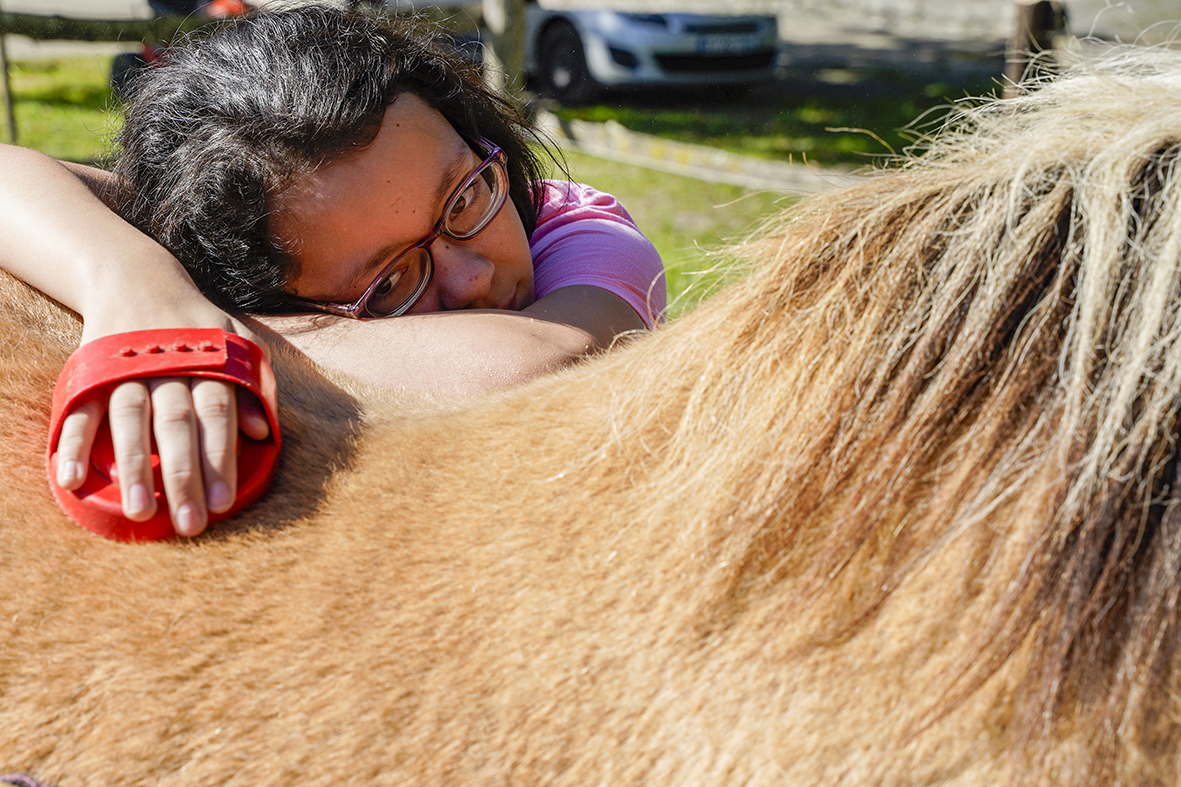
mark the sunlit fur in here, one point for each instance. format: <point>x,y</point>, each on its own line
<point>898,508</point>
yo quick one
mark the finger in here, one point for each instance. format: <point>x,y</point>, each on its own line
<point>129,413</point>
<point>75,441</point>
<point>252,418</point>
<point>216,406</point>
<point>174,424</point>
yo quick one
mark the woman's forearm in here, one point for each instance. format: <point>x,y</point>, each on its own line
<point>62,239</point>
<point>444,352</point>
<point>464,352</point>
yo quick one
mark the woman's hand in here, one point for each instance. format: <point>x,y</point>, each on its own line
<point>194,423</point>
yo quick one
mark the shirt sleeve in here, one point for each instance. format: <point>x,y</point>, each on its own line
<point>584,236</point>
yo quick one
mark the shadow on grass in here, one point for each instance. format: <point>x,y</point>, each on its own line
<point>820,110</point>
<point>68,96</point>
<point>62,83</point>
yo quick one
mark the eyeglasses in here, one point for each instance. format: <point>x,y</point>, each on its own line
<point>400,284</point>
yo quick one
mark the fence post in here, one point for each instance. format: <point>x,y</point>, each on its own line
<point>7,82</point>
<point>1038,23</point>
<point>505,22</point>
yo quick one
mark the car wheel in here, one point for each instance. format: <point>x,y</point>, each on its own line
<point>561,66</point>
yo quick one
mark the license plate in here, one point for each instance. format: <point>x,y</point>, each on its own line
<point>724,45</point>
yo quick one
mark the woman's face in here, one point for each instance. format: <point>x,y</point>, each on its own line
<point>354,215</point>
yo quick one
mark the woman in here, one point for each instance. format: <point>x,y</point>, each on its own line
<point>316,160</point>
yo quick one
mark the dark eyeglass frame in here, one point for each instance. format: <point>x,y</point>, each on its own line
<point>358,309</point>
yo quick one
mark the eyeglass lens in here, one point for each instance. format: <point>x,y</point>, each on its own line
<point>402,285</point>
<point>469,211</point>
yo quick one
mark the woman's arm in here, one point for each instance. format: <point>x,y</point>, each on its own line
<point>62,239</point>
<point>464,352</point>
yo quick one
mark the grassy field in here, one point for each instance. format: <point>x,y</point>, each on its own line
<point>852,124</point>
<point>687,220</point>
<point>64,108</point>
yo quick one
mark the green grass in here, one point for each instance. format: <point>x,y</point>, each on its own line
<point>687,220</point>
<point>61,107</point>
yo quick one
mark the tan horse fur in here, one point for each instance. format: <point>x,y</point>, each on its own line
<point>897,508</point>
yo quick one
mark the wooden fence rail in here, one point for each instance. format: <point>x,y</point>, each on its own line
<point>48,28</point>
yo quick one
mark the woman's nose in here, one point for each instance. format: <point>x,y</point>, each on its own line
<point>462,278</point>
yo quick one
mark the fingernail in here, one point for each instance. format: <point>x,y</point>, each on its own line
<point>69,472</point>
<point>186,520</point>
<point>137,499</point>
<point>219,496</point>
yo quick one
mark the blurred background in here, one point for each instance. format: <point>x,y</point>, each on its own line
<point>702,116</point>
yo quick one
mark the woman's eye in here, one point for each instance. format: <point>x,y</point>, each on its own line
<point>401,287</point>
<point>388,283</point>
<point>463,201</point>
<point>468,208</point>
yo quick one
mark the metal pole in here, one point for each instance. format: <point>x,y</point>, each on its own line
<point>7,82</point>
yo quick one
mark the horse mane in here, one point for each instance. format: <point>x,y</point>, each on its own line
<point>982,346</point>
<point>897,507</point>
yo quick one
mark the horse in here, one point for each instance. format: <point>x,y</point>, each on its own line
<point>897,507</point>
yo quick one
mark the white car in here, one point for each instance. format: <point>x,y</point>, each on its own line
<point>572,55</point>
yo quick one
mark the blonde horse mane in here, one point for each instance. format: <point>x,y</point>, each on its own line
<point>899,507</point>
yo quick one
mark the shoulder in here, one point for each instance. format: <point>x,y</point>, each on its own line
<point>585,237</point>
<point>568,201</point>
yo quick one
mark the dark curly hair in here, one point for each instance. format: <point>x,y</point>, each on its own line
<point>235,117</point>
